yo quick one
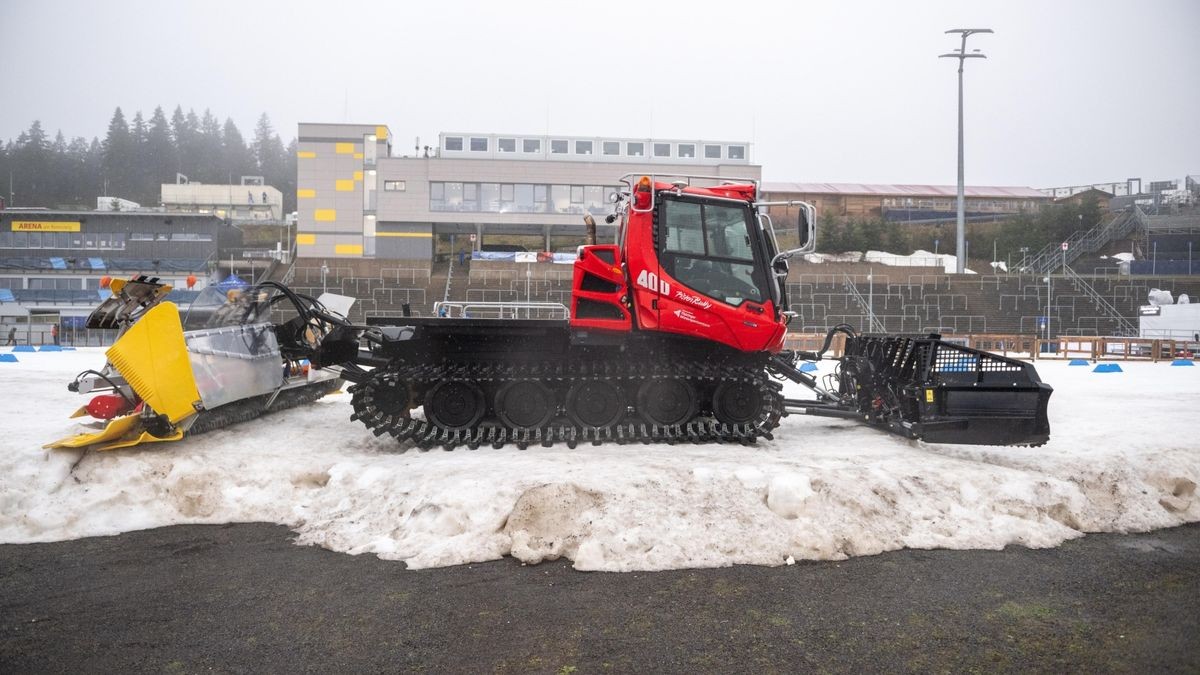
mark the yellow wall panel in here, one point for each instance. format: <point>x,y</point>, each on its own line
<point>344,148</point>
<point>345,185</point>
<point>305,239</point>
<point>306,154</point>
<point>358,155</point>
<point>306,193</point>
<point>348,249</point>
<point>357,175</point>
<point>381,133</point>
<point>325,215</point>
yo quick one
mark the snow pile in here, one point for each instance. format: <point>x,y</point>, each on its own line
<point>1160,297</point>
<point>1122,458</point>
<point>849,256</point>
<point>918,258</point>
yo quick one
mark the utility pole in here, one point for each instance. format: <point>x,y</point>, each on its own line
<point>962,56</point>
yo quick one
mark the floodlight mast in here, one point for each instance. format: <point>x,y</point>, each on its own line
<point>962,55</point>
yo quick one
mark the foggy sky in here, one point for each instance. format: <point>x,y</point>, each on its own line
<point>1071,92</point>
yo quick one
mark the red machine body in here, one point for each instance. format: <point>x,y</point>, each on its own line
<point>690,261</point>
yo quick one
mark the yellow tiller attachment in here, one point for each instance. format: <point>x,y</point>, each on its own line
<point>152,356</point>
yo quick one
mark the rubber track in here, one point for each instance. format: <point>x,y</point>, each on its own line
<point>491,431</point>
<point>250,408</point>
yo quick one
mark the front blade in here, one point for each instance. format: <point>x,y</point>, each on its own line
<point>152,356</point>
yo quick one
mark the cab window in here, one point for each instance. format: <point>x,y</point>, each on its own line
<point>707,247</point>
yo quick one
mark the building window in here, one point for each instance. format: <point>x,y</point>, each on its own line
<point>437,196</point>
<point>560,196</point>
<point>489,197</point>
<point>583,147</point>
<point>687,149</point>
<point>531,145</point>
<point>558,147</point>
<point>662,149</point>
<point>576,194</point>
<point>610,148</point>
<point>479,144</point>
<point>593,198</point>
<point>737,152</point>
<point>394,186</point>
<point>635,149</point>
<point>454,196</point>
<point>524,198</point>
<point>712,152</point>
<point>470,197</point>
<point>506,145</point>
<point>454,143</point>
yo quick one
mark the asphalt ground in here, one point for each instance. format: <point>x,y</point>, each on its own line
<point>243,598</point>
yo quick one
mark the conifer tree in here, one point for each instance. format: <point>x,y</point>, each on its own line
<point>118,154</point>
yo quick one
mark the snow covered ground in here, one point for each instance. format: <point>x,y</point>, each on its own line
<point>1124,456</point>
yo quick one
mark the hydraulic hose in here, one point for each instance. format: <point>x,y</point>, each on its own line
<point>844,328</point>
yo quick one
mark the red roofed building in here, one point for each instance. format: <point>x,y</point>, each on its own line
<point>907,203</point>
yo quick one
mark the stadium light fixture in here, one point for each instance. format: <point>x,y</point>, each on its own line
<point>962,55</point>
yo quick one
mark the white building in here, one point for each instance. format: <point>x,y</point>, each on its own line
<point>248,201</point>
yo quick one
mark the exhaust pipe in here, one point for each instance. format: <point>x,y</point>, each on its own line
<point>590,222</point>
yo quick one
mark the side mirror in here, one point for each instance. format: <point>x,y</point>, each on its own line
<point>806,226</point>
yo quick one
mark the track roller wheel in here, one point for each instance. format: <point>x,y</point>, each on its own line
<point>526,404</point>
<point>454,404</point>
<point>736,402</point>
<point>666,402</point>
<point>595,403</point>
<point>392,397</point>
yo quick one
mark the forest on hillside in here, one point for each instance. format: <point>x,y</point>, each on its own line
<point>136,156</point>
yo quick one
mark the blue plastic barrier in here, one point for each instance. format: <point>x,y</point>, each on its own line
<point>49,348</point>
<point>1078,362</point>
<point>1182,362</point>
<point>68,349</point>
<point>1107,368</point>
<point>7,358</point>
<point>24,348</point>
<point>808,367</point>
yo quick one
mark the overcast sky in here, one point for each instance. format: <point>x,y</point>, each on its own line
<point>1071,92</point>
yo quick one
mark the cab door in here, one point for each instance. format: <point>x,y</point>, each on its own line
<point>712,279</point>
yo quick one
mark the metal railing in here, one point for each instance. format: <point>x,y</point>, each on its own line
<point>1052,255</point>
<point>414,276</point>
<point>449,277</point>
<point>501,310</point>
<point>868,307</point>
<point>1124,326</point>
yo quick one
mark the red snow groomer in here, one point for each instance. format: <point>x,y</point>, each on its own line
<point>676,334</point>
